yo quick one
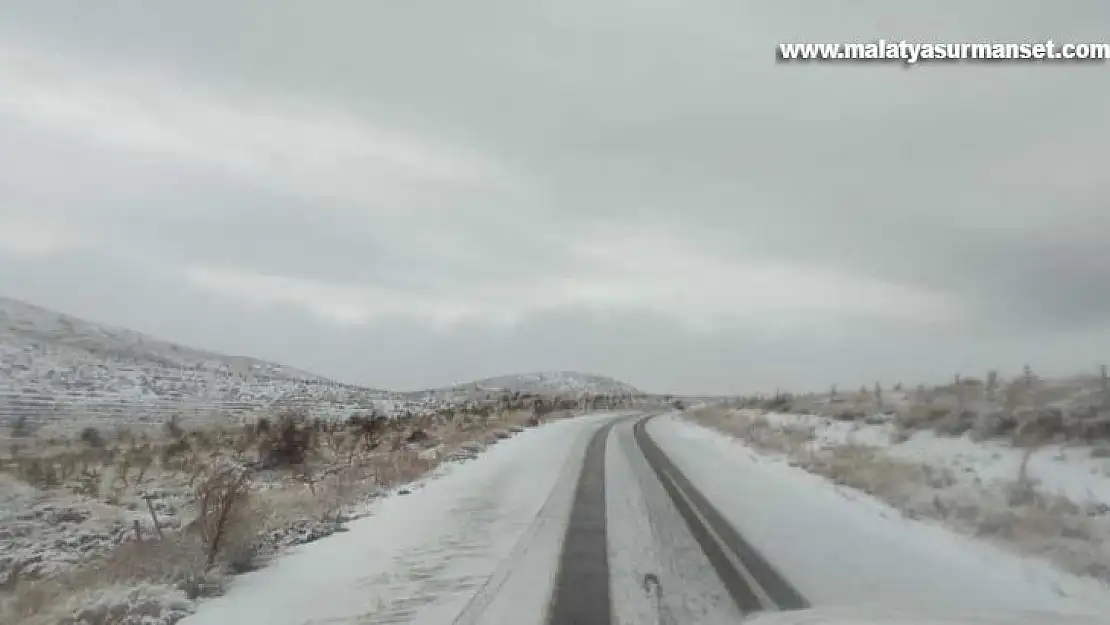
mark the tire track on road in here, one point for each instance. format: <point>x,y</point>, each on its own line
<point>551,512</point>
<point>751,581</point>
<point>581,592</point>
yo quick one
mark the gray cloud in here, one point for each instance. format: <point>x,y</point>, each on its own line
<point>416,193</point>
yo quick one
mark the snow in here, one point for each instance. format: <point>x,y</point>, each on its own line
<point>844,549</point>
<point>479,543</point>
<point>1058,509</point>
<point>1066,470</point>
<point>145,604</point>
<point>491,527</point>
<point>647,535</point>
<point>50,532</point>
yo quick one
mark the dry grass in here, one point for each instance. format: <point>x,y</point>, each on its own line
<point>1025,409</point>
<point>333,469</point>
<point>755,429</point>
<point>177,561</point>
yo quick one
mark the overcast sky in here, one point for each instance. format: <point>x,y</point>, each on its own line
<point>414,193</point>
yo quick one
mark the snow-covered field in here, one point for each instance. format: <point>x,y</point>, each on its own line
<point>489,529</point>
<point>479,543</point>
<point>842,547</point>
<point>1051,501</point>
<point>1080,473</point>
<point>66,553</point>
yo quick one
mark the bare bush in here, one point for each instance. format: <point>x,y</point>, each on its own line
<point>1090,423</point>
<point>173,427</point>
<point>848,414</point>
<point>1039,425</point>
<point>92,437</point>
<point>285,444</point>
<point>401,467</point>
<point>953,423</point>
<point>900,435</point>
<point>219,498</point>
<point>174,562</point>
<point>755,429</point>
<point>994,423</point>
<point>866,469</point>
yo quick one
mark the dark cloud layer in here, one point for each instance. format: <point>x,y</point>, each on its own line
<point>408,194</point>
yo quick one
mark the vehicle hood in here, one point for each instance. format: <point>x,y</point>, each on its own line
<point>861,616</point>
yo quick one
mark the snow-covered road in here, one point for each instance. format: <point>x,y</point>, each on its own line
<point>483,542</point>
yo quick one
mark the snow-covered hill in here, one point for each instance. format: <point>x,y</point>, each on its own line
<point>50,340</point>
<point>562,382</point>
<point>59,368</point>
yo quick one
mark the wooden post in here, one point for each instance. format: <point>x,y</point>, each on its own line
<point>1105,387</point>
<point>138,531</point>
<point>153,516</point>
<point>959,403</point>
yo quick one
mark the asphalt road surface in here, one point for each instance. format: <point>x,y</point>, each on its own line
<point>688,562</point>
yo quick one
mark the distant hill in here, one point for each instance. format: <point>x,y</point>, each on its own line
<point>59,339</point>
<point>59,368</point>
<point>562,382</point>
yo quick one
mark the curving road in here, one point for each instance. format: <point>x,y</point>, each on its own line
<point>592,521</point>
<point>701,552</point>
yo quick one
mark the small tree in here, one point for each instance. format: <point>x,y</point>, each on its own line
<point>1105,379</point>
<point>173,427</point>
<point>218,498</point>
<point>286,443</point>
<point>144,458</point>
<point>92,437</point>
